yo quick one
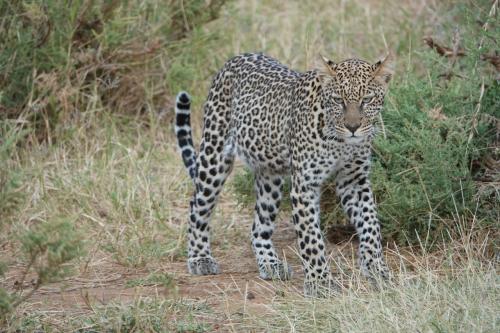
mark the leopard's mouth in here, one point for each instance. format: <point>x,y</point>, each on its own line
<point>343,133</point>
<point>354,139</point>
<point>359,135</point>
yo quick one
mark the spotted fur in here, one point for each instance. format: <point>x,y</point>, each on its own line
<point>279,121</point>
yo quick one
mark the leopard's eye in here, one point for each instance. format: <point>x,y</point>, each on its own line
<point>338,100</point>
<point>368,99</point>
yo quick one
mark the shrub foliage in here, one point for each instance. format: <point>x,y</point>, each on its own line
<point>58,58</point>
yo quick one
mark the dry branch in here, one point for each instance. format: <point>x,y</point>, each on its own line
<point>493,59</point>
<point>444,50</point>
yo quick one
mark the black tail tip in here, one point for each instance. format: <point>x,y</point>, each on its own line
<point>183,98</point>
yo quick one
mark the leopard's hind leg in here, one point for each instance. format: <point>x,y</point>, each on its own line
<point>209,170</point>
<point>213,169</point>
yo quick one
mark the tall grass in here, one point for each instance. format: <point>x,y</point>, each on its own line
<point>453,289</point>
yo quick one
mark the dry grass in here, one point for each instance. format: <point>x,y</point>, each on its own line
<point>439,292</point>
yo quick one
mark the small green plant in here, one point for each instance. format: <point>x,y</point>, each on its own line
<point>48,247</point>
<point>6,303</point>
<point>163,279</point>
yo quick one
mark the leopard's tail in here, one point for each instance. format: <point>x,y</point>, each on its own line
<point>183,132</point>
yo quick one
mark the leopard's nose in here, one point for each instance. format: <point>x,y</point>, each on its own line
<point>352,127</point>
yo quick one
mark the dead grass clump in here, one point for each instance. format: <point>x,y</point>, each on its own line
<point>61,59</point>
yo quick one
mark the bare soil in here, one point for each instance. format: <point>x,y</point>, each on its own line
<point>237,289</point>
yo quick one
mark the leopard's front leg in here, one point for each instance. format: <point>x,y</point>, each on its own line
<point>354,190</point>
<point>305,214</point>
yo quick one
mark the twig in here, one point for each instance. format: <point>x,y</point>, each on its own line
<point>443,50</point>
<point>493,59</point>
<point>486,25</point>
<point>456,42</point>
<point>383,126</point>
<point>28,295</point>
<point>453,53</point>
<point>45,37</point>
<point>474,117</point>
<point>25,273</point>
<point>184,17</point>
<point>424,188</point>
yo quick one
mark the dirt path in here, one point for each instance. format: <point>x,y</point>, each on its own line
<point>237,286</point>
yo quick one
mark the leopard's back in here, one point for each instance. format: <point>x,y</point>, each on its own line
<point>261,104</point>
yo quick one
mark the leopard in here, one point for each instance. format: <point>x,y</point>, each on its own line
<point>309,126</point>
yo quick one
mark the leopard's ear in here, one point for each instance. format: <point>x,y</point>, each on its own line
<point>328,65</point>
<point>384,69</point>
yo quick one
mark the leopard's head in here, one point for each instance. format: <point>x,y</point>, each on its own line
<point>353,94</point>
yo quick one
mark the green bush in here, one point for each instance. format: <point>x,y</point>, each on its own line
<point>422,171</point>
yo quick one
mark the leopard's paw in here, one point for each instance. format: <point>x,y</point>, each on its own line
<point>377,272</point>
<point>322,288</point>
<point>275,271</point>
<point>203,266</point>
